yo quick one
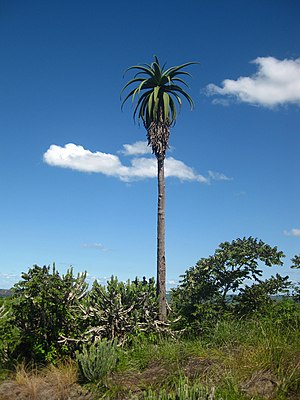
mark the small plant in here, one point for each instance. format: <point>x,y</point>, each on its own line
<point>97,361</point>
<point>184,391</point>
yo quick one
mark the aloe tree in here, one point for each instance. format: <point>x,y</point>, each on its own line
<point>157,92</point>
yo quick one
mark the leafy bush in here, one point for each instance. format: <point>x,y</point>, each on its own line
<point>45,308</point>
<point>257,298</point>
<point>9,334</point>
<point>120,310</point>
<point>97,361</point>
<point>286,314</point>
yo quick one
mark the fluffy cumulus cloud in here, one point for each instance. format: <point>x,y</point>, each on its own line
<point>78,158</point>
<point>292,232</point>
<point>276,82</point>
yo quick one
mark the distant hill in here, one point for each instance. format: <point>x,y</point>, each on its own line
<point>5,292</point>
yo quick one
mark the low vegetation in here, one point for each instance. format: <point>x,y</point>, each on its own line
<point>230,334</point>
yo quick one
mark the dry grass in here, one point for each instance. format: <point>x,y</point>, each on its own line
<point>60,379</point>
<point>52,383</point>
<point>29,381</point>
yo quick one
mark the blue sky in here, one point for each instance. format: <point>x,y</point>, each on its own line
<point>78,184</point>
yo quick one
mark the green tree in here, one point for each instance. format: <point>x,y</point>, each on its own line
<point>45,306</point>
<point>204,289</point>
<point>158,90</point>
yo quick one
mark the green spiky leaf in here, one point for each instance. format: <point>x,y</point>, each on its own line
<point>156,90</point>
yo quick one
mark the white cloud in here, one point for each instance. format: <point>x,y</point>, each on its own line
<point>142,168</point>
<point>135,149</point>
<point>292,232</point>
<point>178,169</point>
<point>76,157</point>
<point>218,176</point>
<point>9,276</point>
<point>277,82</point>
<point>222,102</point>
<point>8,280</point>
<point>97,246</point>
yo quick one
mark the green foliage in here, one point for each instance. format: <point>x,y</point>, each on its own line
<point>54,314</point>
<point>296,261</point>
<point>45,307</point>
<point>120,310</point>
<point>183,391</point>
<point>9,334</point>
<point>296,288</point>
<point>257,297</point>
<point>285,314</point>
<point>201,298</point>
<point>160,88</point>
<point>192,391</point>
<point>97,361</point>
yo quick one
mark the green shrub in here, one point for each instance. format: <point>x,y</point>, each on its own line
<point>9,334</point>
<point>97,361</point>
<point>122,310</point>
<point>286,314</point>
<point>45,310</point>
<point>257,298</point>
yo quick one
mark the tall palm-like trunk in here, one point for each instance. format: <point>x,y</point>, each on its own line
<point>161,259</point>
<point>158,136</point>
